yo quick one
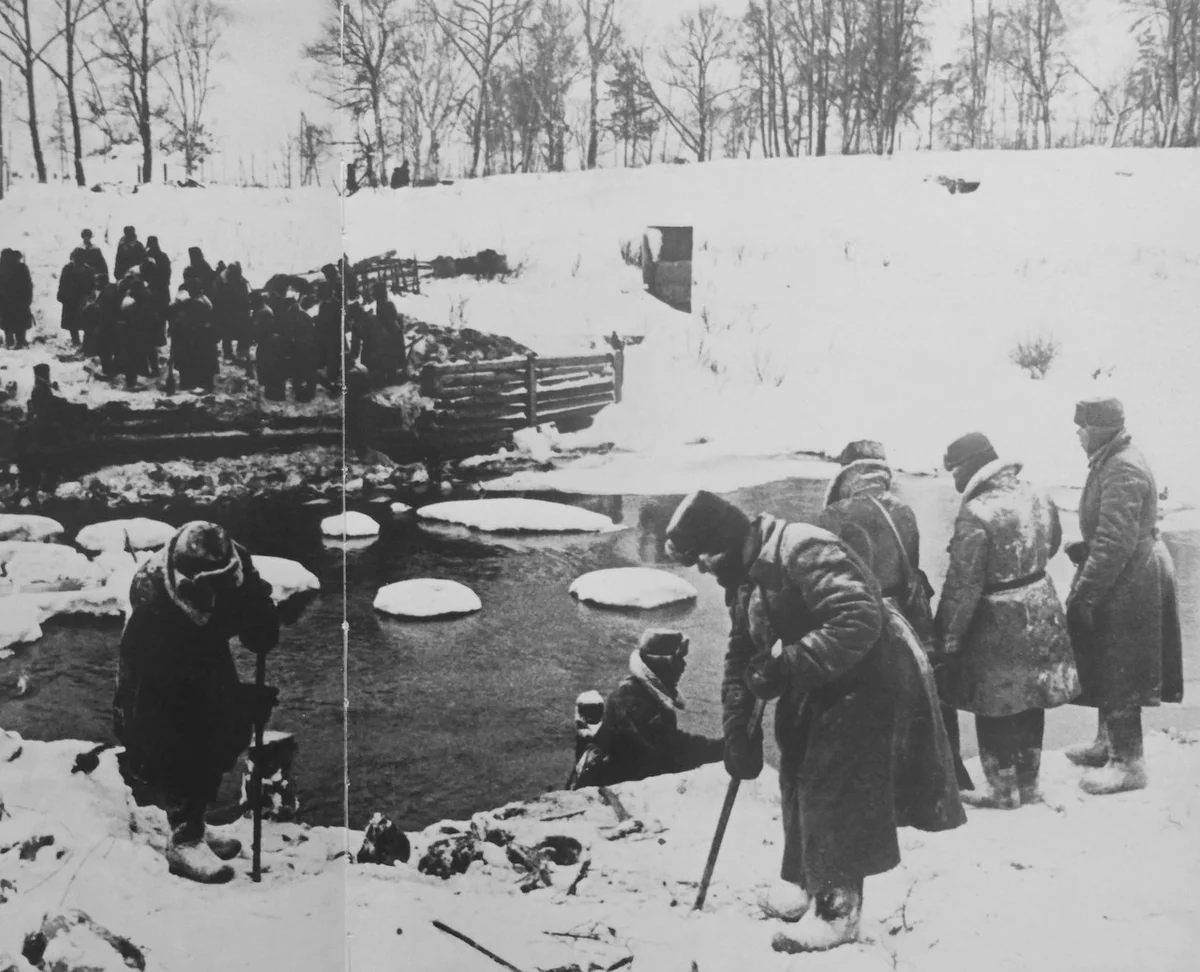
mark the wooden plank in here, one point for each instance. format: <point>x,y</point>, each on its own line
<point>600,368</point>
<point>459,382</point>
<point>447,423</point>
<point>578,393</point>
<point>496,364</point>
<point>582,408</point>
<point>578,359</point>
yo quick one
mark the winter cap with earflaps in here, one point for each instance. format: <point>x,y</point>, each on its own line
<point>973,445</point>
<point>1100,413</point>
<point>200,559</point>
<point>703,523</point>
<point>663,643</point>
<point>862,449</point>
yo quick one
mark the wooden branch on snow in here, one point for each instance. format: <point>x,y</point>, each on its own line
<point>475,945</point>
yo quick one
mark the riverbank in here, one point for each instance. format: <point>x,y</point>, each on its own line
<point>1101,884</point>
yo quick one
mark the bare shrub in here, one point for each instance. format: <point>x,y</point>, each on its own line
<point>458,312</point>
<point>631,253</point>
<point>1035,354</point>
<point>575,265</point>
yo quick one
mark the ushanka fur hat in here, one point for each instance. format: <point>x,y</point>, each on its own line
<point>973,445</point>
<point>705,524</point>
<point>200,560</point>
<point>663,642</point>
<point>1101,413</point>
<point>862,449</point>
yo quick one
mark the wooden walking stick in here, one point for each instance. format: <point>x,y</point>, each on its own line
<point>730,795</point>
<point>260,682</point>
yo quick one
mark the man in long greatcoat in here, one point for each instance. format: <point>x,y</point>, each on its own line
<point>862,509</point>
<point>74,284</point>
<point>1000,622</point>
<point>1122,609</point>
<point>180,710</point>
<point>811,628</point>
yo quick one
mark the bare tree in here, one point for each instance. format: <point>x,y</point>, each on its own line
<point>1169,65</point>
<point>633,119</point>
<point>72,14</point>
<point>703,41</point>
<point>21,51</point>
<point>600,33</point>
<point>481,30</point>
<point>194,29</point>
<point>358,54</point>
<point>134,56</point>
<point>1032,45</point>
<point>431,93</point>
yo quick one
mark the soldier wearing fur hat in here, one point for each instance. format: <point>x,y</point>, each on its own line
<point>811,628</point>
<point>92,256</point>
<point>130,253</point>
<point>1122,609</point>
<point>74,284</point>
<point>180,709</point>
<point>1000,622</point>
<point>193,337</point>
<point>639,734</point>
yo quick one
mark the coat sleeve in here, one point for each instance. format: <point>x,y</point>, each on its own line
<point>64,292</point>
<point>1055,527</point>
<point>1122,494</point>
<point>965,578</point>
<point>737,701</point>
<point>845,607</point>
<point>258,620</point>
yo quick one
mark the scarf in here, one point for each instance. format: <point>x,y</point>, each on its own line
<point>668,699</point>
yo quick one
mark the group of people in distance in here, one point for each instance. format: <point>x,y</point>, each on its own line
<point>833,622</point>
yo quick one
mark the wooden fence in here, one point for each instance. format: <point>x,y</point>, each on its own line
<point>481,403</point>
<point>401,276</point>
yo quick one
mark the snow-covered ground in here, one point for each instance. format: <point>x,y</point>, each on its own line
<point>1104,884</point>
<point>844,298</point>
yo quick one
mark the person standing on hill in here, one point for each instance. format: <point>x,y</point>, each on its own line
<point>193,341</point>
<point>999,621</point>
<point>810,627</point>
<point>862,509</point>
<point>272,359</point>
<point>639,734</point>
<point>1122,609</point>
<point>180,710</point>
<point>156,269</point>
<point>199,270</point>
<point>74,284</point>
<point>16,298</point>
<point>93,257</point>
<point>130,253</point>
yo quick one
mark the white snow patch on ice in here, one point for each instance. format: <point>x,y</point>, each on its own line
<point>286,577</point>
<point>427,597</point>
<point>137,533</point>
<point>349,524</point>
<point>632,587</point>
<point>20,621</point>
<point>31,566</point>
<point>515,515</point>
<point>28,526</point>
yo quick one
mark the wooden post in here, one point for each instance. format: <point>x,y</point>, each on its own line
<point>618,373</point>
<point>429,381</point>
<point>531,388</point>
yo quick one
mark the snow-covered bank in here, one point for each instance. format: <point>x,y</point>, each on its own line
<point>1095,883</point>
<point>843,298</point>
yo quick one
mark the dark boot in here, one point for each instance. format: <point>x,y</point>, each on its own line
<point>999,740</point>
<point>832,920</point>
<point>1029,754</point>
<point>1094,753</point>
<point>1126,768</point>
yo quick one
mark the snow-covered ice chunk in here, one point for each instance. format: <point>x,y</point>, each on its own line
<point>349,524</point>
<point>632,587</point>
<point>286,577</point>
<point>18,621</point>
<point>513,515</point>
<point>138,533</point>
<point>28,526</point>
<point>400,509</point>
<point>427,597</point>
<point>96,602</point>
<point>30,566</point>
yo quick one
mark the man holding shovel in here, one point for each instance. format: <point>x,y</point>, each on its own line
<point>811,629</point>
<point>180,709</point>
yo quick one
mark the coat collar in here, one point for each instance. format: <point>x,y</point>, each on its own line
<point>1114,445</point>
<point>658,690</point>
<point>987,476</point>
<point>861,477</point>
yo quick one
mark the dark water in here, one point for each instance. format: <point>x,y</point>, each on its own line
<point>448,717</point>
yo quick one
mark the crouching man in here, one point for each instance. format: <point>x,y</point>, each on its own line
<point>862,747</point>
<point>639,735</point>
<point>180,710</point>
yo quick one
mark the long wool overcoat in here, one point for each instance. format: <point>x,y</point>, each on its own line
<point>857,684</point>
<point>639,735</point>
<point>180,709</point>
<point>74,284</point>
<point>1132,654</point>
<point>999,617</point>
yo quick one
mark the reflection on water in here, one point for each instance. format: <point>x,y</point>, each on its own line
<point>448,717</point>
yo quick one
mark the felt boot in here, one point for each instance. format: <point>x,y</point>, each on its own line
<point>1126,768</point>
<point>226,848</point>
<point>1029,764</point>
<point>196,862</point>
<point>1000,791</point>
<point>784,901</point>
<point>1094,753</point>
<point>831,921</point>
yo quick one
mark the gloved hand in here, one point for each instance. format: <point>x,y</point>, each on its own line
<point>744,754</point>
<point>766,677</point>
<point>1079,615</point>
<point>259,703</point>
<point>1076,551</point>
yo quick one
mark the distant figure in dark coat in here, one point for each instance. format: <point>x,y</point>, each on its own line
<point>74,285</point>
<point>639,735</point>
<point>330,339</point>
<point>135,330</point>
<point>130,253</point>
<point>92,256</point>
<point>180,709</point>
<point>401,176</point>
<point>1000,622</point>
<point>1122,610</point>
<point>193,338</point>
<point>272,356</point>
<point>156,270</point>
<point>199,270</point>
<point>231,311</point>
<point>810,627</point>
<point>102,315</point>
<point>16,298</point>
<point>301,332</point>
<point>383,352</point>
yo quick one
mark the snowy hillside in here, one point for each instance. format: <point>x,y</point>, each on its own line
<point>843,298</point>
